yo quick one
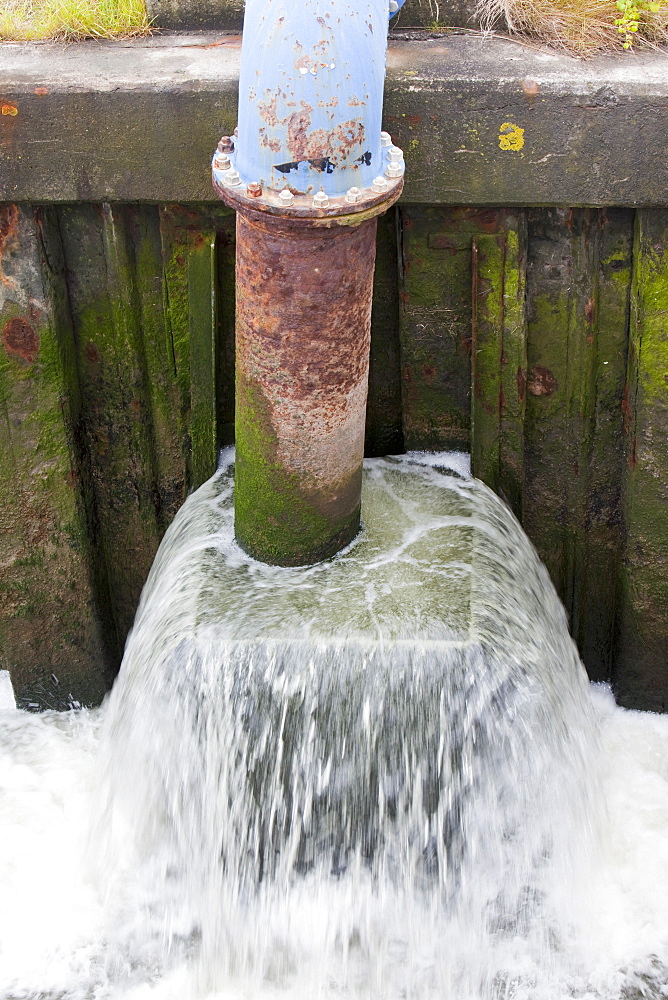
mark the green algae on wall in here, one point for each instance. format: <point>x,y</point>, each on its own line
<point>641,667</point>
<point>603,511</point>
<point>49,634</point>
<point>559,405</point>
<point>436,317</point>
<point>498,361</point>
<point>116,389</point>
<point>100,245</point>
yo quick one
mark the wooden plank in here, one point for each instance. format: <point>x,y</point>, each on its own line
<point>435,323</point>
<point>641,662</point>
<point>384,434</point>
<point>603,515</point>
<point>498,360</point>
<point>198,260</point>
<point>513,367</point>
<point>50,638</point>
<point>203,327</point>
<point>561,366</point>
<point>226,257</point>
<point>488,256</point>
<point>164,425</point>
<point>117,404</point>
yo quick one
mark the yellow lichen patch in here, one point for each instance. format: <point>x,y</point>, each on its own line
<point>34,20</point>
<point>511,136</point>
<point>9,109</point>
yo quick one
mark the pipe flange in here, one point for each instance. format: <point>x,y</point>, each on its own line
<point>317,206</point>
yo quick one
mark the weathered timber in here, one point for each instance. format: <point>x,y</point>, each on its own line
<point>199,292</point>
<point>100,247</point>
<point>498,360</point>
<point>383,434</point>
<point>483,121</point>
<point>513,367</point>
<point>121,412</point>
<point>436,320</point>
<point>604,540</point>
<point>225,255</point>
<point>49,635</point>
<point>203,325</point>
<point>488,253</point>
<point>641,661</point>
<point>560,396</point>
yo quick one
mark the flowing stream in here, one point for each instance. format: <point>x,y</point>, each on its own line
<point>383,776</point>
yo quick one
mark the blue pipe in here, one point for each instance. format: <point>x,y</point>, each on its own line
<point>310,100</point>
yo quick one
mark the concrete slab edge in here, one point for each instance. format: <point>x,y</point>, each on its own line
<point>482,120</point>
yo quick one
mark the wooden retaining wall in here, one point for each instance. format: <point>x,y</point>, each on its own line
<point>535,338</point>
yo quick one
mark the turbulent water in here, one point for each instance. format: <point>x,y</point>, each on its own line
<point>384,776</point>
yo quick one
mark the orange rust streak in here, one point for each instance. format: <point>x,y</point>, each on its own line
<point>9,217</point>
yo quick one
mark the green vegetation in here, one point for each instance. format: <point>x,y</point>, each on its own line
<point>33,20</point>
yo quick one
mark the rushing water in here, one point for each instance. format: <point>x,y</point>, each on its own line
<point>384,776</point>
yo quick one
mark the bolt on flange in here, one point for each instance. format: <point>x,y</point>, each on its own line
<point>383,190</point>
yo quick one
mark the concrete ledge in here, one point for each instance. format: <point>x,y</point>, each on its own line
<point>483,121</point>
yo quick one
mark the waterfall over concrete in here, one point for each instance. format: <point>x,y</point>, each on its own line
<point>387,739</point>
<point>378,777</point>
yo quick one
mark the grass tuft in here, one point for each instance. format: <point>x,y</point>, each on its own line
<point>64,20</point>
<point>581,26</point>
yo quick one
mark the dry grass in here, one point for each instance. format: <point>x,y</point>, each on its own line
<point>582,26</point>
<point>32,20</point>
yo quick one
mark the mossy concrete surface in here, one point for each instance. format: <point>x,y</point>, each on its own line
<point>483,121</point>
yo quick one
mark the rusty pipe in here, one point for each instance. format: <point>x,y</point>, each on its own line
<point>306,227</point>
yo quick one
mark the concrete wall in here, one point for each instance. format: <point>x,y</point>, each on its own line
<point>520,310</point>
<point>214,15</point>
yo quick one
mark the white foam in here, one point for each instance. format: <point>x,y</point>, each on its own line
<point>52,916</point>
<point>89,910</point>
<point>7,700</point>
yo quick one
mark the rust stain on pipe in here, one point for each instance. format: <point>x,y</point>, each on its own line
<point>302,356</point>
